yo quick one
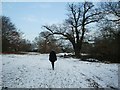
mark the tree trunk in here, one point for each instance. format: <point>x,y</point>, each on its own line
<point>76,48</point>
<point>77,53</point>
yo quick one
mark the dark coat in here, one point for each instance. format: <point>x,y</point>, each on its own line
<point>52,56</point>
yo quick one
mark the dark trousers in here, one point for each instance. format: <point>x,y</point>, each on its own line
<point>52,65</point>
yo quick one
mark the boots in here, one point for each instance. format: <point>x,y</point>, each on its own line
<point>52,65</point>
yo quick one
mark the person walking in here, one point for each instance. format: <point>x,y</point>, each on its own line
<point>52,58</point>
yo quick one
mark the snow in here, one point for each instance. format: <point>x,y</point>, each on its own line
<point>34,71</point>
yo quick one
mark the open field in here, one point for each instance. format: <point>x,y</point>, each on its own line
<point>34,71</point>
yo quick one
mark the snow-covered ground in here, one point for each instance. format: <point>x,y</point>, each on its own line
<point>34,71</point>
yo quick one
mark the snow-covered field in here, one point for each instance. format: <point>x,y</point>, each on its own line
<point>34,71</point>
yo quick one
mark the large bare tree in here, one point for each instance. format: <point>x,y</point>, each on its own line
<point>75,26</point>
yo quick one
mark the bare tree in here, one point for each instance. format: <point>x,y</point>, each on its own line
<point>46,42</point>
<point>112,8</point>
<point>10,35</point>
<point>109,27</point>
<point>12,40</point>
<point>74,28</point>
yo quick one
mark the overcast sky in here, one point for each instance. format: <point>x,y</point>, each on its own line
<point>30,16</point>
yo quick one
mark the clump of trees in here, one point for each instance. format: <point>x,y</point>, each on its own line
<point>107,45</point>
<point>75,28</point>
<point>12,40</point>
<point>46,42</point>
